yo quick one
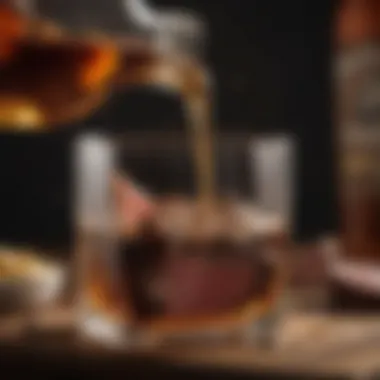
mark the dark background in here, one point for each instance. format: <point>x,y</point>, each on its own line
<point>271,61</point>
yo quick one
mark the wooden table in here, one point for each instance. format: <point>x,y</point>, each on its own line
<point>335,346</point>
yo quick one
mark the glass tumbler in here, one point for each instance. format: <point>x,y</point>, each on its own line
<point>184,275</point>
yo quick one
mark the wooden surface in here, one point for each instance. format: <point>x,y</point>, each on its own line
<point>310,343</point>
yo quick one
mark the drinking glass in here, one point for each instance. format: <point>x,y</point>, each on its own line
<point>168,282</point>
<point>356,82</point>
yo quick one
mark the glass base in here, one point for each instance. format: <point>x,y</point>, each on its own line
<point>99,327</point>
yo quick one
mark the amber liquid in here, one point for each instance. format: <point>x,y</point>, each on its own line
<point>95,282</point>
<point>361,243</point>
<point>49,77</point>
<point>357,25</point>
<point>200,131</point>
<point>191,283</point>
<point>361,216</point>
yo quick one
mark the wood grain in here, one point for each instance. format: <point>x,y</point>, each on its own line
<point>318,343</point>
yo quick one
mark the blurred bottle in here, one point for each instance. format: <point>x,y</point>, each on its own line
<point>357,102</point>
<point>358,22</point>
<point>357,88</point>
